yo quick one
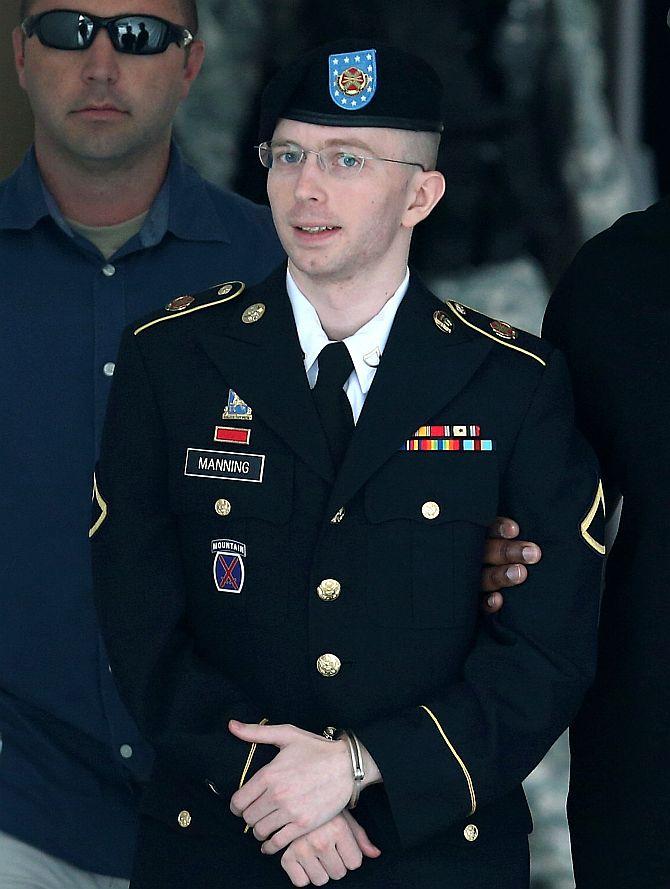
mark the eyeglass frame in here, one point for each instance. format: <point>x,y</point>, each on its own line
<point>181,32</point>
<point>325,167</point>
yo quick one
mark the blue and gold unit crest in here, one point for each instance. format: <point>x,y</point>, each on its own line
<point>236,409</point>
<point>353,78</point>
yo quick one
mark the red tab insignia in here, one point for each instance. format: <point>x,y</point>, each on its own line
<point>230,434</point>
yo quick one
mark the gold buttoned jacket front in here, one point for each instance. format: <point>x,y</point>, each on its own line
<point>346,598</point>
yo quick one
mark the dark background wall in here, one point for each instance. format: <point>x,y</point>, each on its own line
<point>15,118</point>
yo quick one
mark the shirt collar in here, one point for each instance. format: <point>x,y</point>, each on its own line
<point>365,346</point>
<point>183,205</point>
<point>22,202</point>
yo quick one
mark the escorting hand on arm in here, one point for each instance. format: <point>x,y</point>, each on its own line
<point>505,559</point>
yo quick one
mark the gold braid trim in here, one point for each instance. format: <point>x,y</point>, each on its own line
<point>495,339</point>
<point>217,302</point>
<point>471,787</point>
<point>247,764</point>
<point>588,521</point>
<point>97,496</point>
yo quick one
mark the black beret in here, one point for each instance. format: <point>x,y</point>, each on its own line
<point>355,83</point>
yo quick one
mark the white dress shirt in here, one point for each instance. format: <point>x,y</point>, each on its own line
<point>365,346</point>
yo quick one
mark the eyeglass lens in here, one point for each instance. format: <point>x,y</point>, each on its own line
<point>287,158</point>
<point>136,34</point>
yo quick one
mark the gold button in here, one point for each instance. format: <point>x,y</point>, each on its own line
<point>179,303</point>
<point>442,321</point>
<point>328,664</point>
<point>184,818</point>
<point>337,518</point>
<point>329,589</point>
<point>253,313</point>
<point>430,510</point>
<point>225,289</point>
<point>471,833</point>
<point>222,506</point>
<point>459,308</point>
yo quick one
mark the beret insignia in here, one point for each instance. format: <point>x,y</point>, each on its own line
<point>353,78</point>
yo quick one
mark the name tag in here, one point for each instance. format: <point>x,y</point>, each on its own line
<point>225,464</point>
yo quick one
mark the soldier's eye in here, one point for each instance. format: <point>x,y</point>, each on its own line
<point>347,161</point>
<point>288,156</point>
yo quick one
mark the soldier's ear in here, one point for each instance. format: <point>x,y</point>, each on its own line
<point>425,191</point>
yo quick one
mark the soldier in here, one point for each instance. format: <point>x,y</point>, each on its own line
<point>291,507</point>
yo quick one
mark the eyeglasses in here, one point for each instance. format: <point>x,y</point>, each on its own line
<point>140,35</point>
<point>287,157</point>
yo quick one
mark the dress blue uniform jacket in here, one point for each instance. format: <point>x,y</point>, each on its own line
<point>71,756</point>
<point>210,559</point>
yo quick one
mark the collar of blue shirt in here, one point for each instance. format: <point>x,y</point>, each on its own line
<point>182,206</point>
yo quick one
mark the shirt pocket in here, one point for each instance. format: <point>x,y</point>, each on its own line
<point>246,524</point>
<point>427,515</point>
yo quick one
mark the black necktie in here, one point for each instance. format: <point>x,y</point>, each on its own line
<point>332,404</point>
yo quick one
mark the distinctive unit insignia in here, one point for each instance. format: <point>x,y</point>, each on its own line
<point>503,330</point>
<point>236,409</point>
<point>179,303</point>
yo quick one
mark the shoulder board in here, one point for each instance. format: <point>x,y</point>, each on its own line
<point>188,303</point>
<point>501,332</point>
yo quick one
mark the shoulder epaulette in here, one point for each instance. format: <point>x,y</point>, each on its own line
<point>500,332</point>
<point>194,302</point>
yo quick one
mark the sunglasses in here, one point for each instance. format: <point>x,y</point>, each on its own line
<point>137,35</point>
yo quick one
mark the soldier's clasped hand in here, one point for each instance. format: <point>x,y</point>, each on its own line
<point>307,783</point>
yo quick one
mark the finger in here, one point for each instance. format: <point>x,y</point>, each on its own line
<point>495,578</point>
<point>366,846</point>
<point>253,790</point>
<point>332,863</point>
<point>279,735</point>
<point>294,870</point>
<point>349,851</point>
<point>493,603</point>
<point>503,527</point>
<point>262,808</point>
<point>314,870</point>
<point>283,837</point>
<point>268,825</point>
<point>508,552</point>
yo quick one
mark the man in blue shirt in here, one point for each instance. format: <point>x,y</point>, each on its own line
<point>101,223</point>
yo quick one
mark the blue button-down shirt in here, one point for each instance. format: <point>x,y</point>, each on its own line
<point>71,757</point>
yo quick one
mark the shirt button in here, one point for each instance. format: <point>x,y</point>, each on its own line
<point>108,270</point>
<point>328,664</point>
<point>126,751</point>
<point>108,369</point>
<point>328,590</point>
<point>184,818</point>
